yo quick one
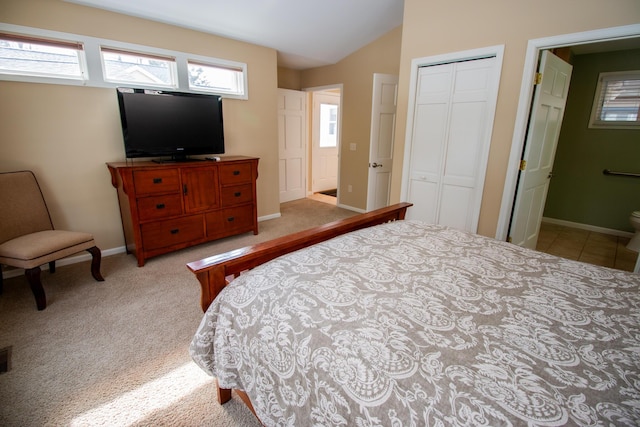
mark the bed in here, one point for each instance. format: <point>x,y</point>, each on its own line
<point>375,320</point>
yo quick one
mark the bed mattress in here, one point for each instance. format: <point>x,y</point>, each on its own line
<point>408,324</point>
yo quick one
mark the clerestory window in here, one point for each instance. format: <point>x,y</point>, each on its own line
<point>216,78</point>
<point>30,56</point>
<point>43,56</point>
<point>121,66</point>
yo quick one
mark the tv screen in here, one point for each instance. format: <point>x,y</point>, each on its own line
<point>177,124</point>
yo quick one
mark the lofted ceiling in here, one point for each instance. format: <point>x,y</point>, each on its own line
<point>305,33</point>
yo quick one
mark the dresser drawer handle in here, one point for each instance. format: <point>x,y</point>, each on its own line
<point>160,206</point>
<point>175,231</point>
<point>230,219</point>
<point>237,194</point>
<point>236,172</point>
<point>157,180</point>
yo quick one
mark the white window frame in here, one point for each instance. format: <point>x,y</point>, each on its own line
<point>603,78</point>
<point>171,62</point>
<point>69,45</point>
<point>94,75</point>
<point>228,65</point>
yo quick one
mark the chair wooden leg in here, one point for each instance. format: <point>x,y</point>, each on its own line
<point>33,277</point>
<point>52,267</point>
<point>96,258</point>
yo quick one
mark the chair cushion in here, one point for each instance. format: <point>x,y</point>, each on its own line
<point>32,250</point>
<point>22,206</point>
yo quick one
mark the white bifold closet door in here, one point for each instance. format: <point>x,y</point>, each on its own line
<point>452,123</point>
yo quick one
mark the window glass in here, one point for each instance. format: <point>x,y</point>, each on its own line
<point>33,57</point>
<point>128,67</point>
<point>43,56</point>
<point>328,125</point>
<point>214,78</point>
<point>617,100</point>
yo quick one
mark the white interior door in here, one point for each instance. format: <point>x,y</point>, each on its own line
<point>325,141</point>
<point>383,125</point>
<point>450,138</point>
<point>547,110</point>
<point>292,144</point>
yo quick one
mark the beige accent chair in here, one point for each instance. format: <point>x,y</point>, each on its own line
<point>27,237</point>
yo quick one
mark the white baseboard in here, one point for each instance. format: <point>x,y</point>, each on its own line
<point>588,227</point>
<point>81,257</point>
<point>351,208</point>
<point>14,272</point>
<point>268,217</point>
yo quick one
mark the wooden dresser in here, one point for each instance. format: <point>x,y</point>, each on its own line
<point>170,206</point>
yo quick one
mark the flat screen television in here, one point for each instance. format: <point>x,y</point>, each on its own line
<point>177,125</point>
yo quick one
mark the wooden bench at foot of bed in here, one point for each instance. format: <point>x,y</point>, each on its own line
<point>212,272</point>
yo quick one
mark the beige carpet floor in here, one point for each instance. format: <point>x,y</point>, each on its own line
<point>115,353</point>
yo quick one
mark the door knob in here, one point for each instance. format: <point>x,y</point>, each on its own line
<point>376,165</point>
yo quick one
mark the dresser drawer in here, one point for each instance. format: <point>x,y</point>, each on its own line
<point>156,181</point>
<point>237,194</point>
<point>229,221</point>
<point>157,207</point>
<point>161,234</point>
<point>238,173</point>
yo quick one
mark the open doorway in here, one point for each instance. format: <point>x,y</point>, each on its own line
<point>584,46</point>
<point>309,125</point>
<point>626,34</point>
<point>324,143</point>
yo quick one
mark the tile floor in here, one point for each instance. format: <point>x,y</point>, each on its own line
<point>586,246</point>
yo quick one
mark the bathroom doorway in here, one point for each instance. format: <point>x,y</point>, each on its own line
<point>568,154</point>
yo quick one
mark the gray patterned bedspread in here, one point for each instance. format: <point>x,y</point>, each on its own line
<point>411,324</point>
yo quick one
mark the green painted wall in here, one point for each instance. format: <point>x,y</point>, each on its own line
<point>579,192</point>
